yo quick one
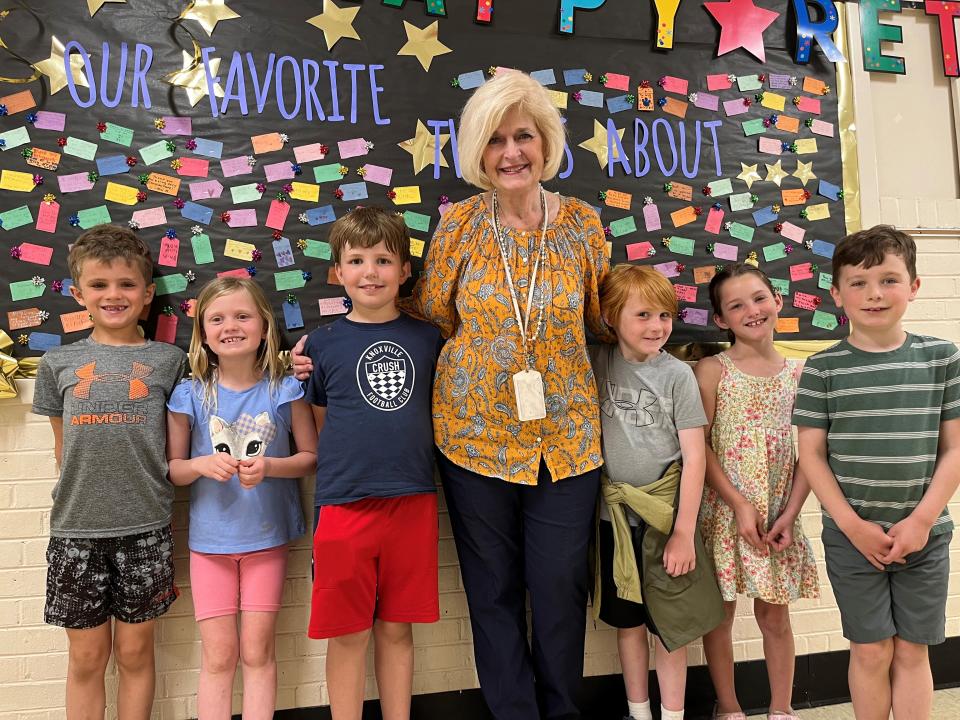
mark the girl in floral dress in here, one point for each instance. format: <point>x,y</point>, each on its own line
<point>749,517</point>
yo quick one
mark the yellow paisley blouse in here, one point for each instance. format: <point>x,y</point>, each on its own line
<point>464,292</point>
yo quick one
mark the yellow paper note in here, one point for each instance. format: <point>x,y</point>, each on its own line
<point>559,98</point>
<point>16,181</point>
<point>123,194</point>
<point>773,101</point>
<point>407,195</point>
<point>416,247</point>
<point>239,250</point>
<point>818,212</point>
<point>305,191</point>
<point>806,146</point>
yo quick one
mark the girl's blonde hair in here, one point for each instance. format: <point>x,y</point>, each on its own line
<point>203,361</point>
<point>653,287</point>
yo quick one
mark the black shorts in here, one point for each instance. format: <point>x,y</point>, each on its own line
<point>90,580</point>
<point>614,611</point>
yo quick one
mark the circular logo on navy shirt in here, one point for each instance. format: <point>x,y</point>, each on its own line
<point>385,375</point>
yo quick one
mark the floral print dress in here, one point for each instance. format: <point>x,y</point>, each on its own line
<point>753,441</point>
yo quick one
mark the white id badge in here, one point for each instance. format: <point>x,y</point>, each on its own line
<point>528,387</point>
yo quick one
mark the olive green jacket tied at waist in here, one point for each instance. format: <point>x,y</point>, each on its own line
<point>682,608</point>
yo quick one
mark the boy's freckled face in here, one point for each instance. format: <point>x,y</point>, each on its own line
<point>876,298</point>
<point>114,293</point>
<point>371,276</point>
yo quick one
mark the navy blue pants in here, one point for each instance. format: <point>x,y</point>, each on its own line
<point>517,538</point>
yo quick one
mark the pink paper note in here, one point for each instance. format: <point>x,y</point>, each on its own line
<point>674,84</point>
<point>205,190</point>
<point>718,82</point>
<point>792,232</point>
<point>47,120</point>
<point>279,171</point>
<point>714,221</point>
<point>770,145</point>
<point>686,293</point>
<point>243,218</point>
<point>651,217</point>
<point>39,254</point>
<point>169,252</point>
<point>822,127</point>
<point>238,272</point>
<point>352,148</point>
<point>150,217</point>
<point>800,272</point>
<point>639,251</point>
<point>694,316</point>
<point>734,107</point>
<point>378,174</point>
<point>806,301</point>
<point>177,125</point>
<point>706,101</point>
<point>277,215</point>
<point>309,153</point>
<point>77,182</point>
<point>193,167</point>
<point>616,81</point>
<point>166,328</point>
<point>810,105</point>
<point>332,306</point>
<point>236,166</point>
<point>667,269</point>
<point>725,251</point>
<point>47,216</point>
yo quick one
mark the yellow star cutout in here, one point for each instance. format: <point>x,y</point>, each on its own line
<point>749,174</point>
<point>804,172</point>
<point>423,148</point>
<point>424,44</point>
<point>208,13</point>
<point>598,143</point>
<point>52,67</point>
<point>336,23</point>
<point>94,5</point>
<point>775,173</point>
<point>193,77</point>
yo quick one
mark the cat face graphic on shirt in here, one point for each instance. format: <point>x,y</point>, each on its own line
<point>246,438</point>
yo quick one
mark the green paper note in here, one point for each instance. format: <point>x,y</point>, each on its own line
<point>623,226</point>
<point>94,216</point>
<point>289,280</point>
<point>417,221</point>
<point>167,284</point>
<point>17,217</point>
<point>824,281</point>
<point>117,134</point>
<point>26,290</point>
<point>80,148</point>
<point>753,127</point>
<point>748,82</point>
<point>781,286</point>
<point>825,320</point>
<point>15,138</point>
<point>317,249</point>
<point>719,188</point>
<point>155,153</point>
<point>327,173</point>
<point>245,193</point>
<point>774,252</point>
<point>741,232</point>
<point>681,245</point>
<point>202,252</point>
<point>740,201</point>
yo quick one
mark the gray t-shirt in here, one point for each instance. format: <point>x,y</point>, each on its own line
<point>113,478</point>
<point>643,405</point>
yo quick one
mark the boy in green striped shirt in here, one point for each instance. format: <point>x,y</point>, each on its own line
<point>879,428</point>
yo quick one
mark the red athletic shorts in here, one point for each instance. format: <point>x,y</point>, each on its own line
<point>374,559</point>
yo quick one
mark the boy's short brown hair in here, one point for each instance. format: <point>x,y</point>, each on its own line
<point>869,247</point>
<point>623,279</point>
<point>106,243</point>
<point>364,227</point>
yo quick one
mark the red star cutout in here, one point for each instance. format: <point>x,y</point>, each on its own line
<point>741,25</point>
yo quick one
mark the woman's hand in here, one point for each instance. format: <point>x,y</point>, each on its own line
<point>219,466</point>
<point>302,364</point>
<point>750,526</point>
<point>679,556</point>
<point>251,472</point>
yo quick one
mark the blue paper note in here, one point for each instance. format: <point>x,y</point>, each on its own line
<point>112,165</point>
<point>208,148</point>
<point>764,215</point>
<point>619,104</point>
<point>321,215</point>
<point>292,315</point>
<point>574,77</point>
<point>591,98</point>
<point>823,248</point>
<point>828,190</point>
<point>471,80</point>
<point>43,341</point>
<point>354,191</point>
<point>284,253</point>
<point>544,77</point>
<point>197,212</point>
<point>65,288</point>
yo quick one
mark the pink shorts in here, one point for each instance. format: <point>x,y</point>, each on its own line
<point>374,558</point>
<point>227,584</point>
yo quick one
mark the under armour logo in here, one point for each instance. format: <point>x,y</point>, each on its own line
<point>636,411</point>
<point>87,375</point>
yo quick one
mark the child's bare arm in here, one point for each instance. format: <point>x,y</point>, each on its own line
<point>678,555</point>
<point>56,423</point>
<point>319,416</point>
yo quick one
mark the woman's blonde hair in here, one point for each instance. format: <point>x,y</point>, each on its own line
<point>203,361</point>
<point>653,287</point>
<point>484,112</point>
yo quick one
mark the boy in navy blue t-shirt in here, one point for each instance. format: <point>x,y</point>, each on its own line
<point>375,546</point>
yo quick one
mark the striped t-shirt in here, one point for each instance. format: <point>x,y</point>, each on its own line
<point>882,412</point>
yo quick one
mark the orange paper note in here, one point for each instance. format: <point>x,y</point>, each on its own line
<point>44,159</point>
<point>26,318</point>
<point>680,191</point>
<point>704,274</point>
<point>18,102</point>
<point>683,216</point>
<point>268,142</point>
<point>672,106</point>
<point>76,321</point>
<point>813,86</point>
<point>788,124</point>
<point>163,184</point>
<point>794,197</point>
<point>618,199</point>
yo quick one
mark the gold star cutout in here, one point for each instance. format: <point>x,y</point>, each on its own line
<point>423,148</point>
<point>336,23</point>
<point>94,5</point>
<point>804,172</point>
<point>775,173</point>
<point>424,44</point>
<point>52,67</point>
<point>598,143</point>
<point>208,13</point>
<point>749,174</point>
<point>193,77</point>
